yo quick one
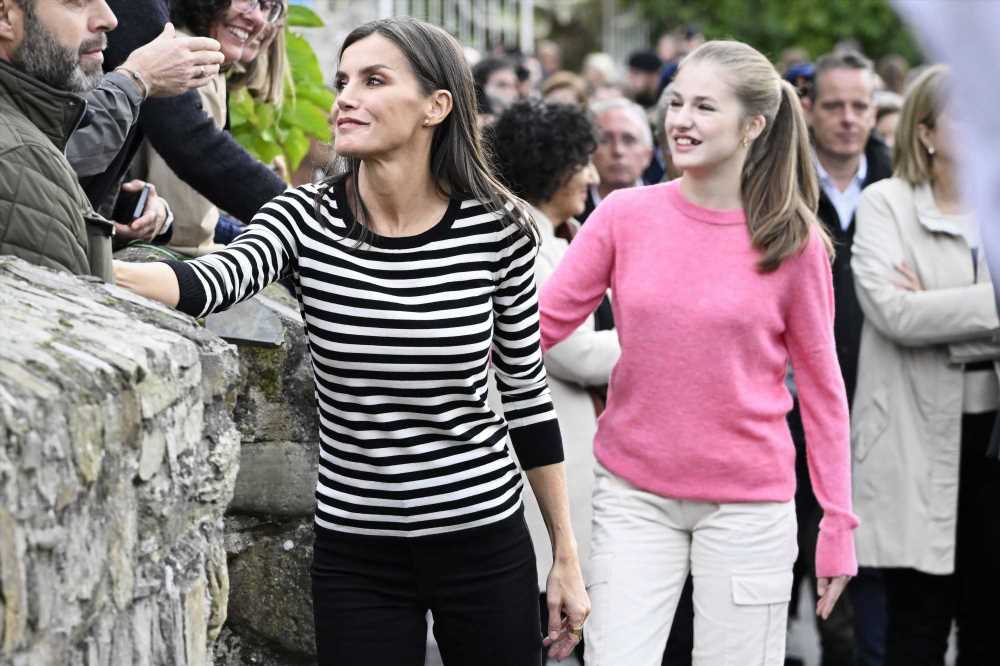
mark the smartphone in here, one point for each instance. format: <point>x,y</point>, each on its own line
<point>130,205</point>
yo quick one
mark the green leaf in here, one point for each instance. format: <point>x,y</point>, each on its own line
<point>317,95</point>
<point>247,139</point>
<point>296,147</point>
<point>302,59</point>
<point>266,150</point>
<point>310,118</point>
<point>267,131</point>
<point>265,116</point>
<point>241,108</point>
<point>303,17</point>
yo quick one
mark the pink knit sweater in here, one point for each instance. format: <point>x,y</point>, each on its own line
<point>697,402</point>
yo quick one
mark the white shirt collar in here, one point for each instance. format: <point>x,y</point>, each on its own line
<point>596,197</point>
<point>827,181</point>
<point>846,202</point>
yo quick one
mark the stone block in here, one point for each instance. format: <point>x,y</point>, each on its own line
<point>270,595</point>
<point>277,478</point>
<point>118,456</point>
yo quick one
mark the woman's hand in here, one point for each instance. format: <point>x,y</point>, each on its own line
<point>829,591</point>
<point>568,605</point>
<point>907,278</point>
<point>567,598</point>
<point>149,225</point>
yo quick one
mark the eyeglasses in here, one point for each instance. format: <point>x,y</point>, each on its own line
<point>271,9</point>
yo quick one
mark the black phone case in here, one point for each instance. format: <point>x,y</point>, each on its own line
<point>129,206</point>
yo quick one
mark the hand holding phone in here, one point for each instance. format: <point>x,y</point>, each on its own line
<point>140,213</point>
<point>131,204</point>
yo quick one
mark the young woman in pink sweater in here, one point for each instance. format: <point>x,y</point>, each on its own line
<point>719,280</point>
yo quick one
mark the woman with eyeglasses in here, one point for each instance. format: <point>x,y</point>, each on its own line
<point>236,25</point>
<point>180,130</point>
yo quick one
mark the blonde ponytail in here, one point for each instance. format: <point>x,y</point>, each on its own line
<point>780,189</point>
<point>779,186</point>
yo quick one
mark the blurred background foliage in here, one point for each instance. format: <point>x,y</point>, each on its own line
<point>268,131</point>
<point>774,25</point>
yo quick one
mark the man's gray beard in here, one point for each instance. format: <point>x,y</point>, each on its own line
<point>42,57</point>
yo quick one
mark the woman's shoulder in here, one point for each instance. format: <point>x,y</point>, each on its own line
<point>301,202</point>
<point>889,190</point>
<point>622,207</point>
<point>299,194</point>
<point>641,195</point>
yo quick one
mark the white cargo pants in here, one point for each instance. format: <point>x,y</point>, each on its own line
<point>642,547</point>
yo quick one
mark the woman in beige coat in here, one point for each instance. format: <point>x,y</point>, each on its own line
<point>542,152</point>
<point>927,397</point>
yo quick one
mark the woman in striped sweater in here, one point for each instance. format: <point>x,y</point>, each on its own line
<point>413,268</point>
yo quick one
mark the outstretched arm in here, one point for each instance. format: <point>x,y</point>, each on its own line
<point>183,133</point>
<point>217,280</point>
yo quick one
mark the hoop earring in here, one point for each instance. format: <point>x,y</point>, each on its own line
<point>745,141</point>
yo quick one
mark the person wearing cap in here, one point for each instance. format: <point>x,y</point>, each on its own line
<point>643,77</point>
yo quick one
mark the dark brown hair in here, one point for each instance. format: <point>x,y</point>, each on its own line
<point>459,163</point>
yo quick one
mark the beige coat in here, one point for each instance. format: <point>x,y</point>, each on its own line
<point>907,411</point>
<point>195,216</point>
<point>584,359</point>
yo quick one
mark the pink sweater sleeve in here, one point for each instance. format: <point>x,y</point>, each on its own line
<point>575,289</point>
<point>823,403</point>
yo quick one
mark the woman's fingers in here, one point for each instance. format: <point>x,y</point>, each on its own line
<point>912,280</point>
<point>829,590</point>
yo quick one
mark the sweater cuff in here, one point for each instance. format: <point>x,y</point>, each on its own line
<point>538,444</point>
<point>835,555</point>
<point>192,296</point>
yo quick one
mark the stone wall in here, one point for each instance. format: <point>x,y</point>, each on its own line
<point>118,456</point>
<point>269,528</point>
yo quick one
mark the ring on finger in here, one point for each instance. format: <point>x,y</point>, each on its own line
<point>577,632</point>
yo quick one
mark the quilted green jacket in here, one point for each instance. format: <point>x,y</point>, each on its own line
<point>45,217</point>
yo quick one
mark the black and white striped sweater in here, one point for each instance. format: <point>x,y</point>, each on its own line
<point>402,332</point>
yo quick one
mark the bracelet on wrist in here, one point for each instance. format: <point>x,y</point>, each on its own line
<point>139,83</point>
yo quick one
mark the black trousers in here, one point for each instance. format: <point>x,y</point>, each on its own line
<point>837,636</point>
<point>371,596</point>
<point>922,606</point>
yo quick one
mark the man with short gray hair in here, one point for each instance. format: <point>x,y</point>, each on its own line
<point>624,148</point>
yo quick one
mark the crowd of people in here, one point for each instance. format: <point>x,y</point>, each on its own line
<point>735,310</point>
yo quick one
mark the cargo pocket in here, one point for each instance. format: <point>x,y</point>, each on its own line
<point>769,595</point>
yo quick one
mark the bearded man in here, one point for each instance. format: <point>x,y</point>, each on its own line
<point>51,51</point>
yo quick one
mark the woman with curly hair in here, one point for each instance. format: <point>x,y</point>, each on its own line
<point>542,153</point>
